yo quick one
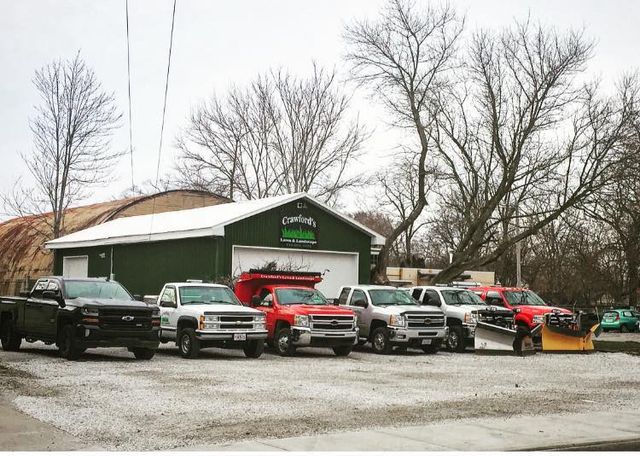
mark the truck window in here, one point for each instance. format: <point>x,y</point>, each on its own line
<point>494,299</point>
<point>416,293</point>
<point>357,295</point>
<point>95,289</point>
<point>344,294</point>
<point>267,300</point>
<point>198,294</point>
<point>288,296</point>
<point>431,298</point>
<point>168,295</point>
<point>39,288</point>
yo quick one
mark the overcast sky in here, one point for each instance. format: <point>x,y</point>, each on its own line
<point>219,43</point>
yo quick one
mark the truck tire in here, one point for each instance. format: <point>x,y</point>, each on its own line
<point>143,353</point>
<point>343,350</point>
<point>433,348</point>
<point>188,343</point>
<point>254,348</point>
<point>9,337</point>
<point>283,344</point>
<point>68,344</point>
<point>380,341</point>
<point>455,340</point>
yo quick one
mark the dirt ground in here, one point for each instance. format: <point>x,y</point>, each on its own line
<point>112,401</point>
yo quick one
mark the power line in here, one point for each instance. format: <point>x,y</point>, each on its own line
<point>129,91</point>
<point>166,91</point>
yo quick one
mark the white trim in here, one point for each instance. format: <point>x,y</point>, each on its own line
<point>97,235</point>
<point>257,247</point>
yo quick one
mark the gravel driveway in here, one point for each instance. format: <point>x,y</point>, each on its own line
<point>110,400</point>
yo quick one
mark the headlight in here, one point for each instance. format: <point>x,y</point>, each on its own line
<point>210,326</point>
<point>397,320</point>
<point>89,312</point>
<point>355,321</point>
<point>211,318</point>
<point>470,318</point>
<point>301,320</point>
<point>538,318</point>
<point>155,313</point>
<point>260,326</point>
<point>259,318</point>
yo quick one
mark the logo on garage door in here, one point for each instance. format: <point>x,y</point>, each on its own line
<point>298,230</point>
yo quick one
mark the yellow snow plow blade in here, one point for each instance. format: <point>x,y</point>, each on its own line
<point>564,333</point>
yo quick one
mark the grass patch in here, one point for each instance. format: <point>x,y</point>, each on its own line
<point>610,346</point>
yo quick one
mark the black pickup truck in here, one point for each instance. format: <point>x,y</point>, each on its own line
<point>76,314</point>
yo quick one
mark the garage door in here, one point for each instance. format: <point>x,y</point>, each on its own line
<point>75,266</point>
<point>341,268</point>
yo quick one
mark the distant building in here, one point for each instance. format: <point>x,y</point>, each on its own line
<point>422,276</point>
<point>22,255</point>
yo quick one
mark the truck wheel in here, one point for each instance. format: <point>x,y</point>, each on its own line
<point>342,350</point>
<point>254,348</point>
<point>188,343</point>
<point>455,340</point>
<point>143,353</point>
<point>8,337</point>
<point>68,345</point>
<point>283,344</point>
<point>433,348</point>
<point>380,341</point>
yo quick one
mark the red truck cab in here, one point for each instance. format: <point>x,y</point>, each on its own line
<point>529,307</point>
<point>297,314</point>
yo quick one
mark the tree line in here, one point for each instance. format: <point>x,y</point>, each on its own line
<point>506,141</point>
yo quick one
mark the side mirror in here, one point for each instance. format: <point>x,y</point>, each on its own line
<point>137,297</point>
<point>54,295</point>
<point>168,304</point>
<point>361,303</point>
<point>336,301</point>
<point>256,301</point>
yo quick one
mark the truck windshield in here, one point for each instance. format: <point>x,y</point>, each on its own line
<point>101,290</point>
<point>461,297</point>
<point>207,295</point>
<point>527,298</point>
<point>289,296</point>
<point>392,297</point>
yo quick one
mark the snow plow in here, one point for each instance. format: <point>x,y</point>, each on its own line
<point>496,333</point>
<point>564,333</point>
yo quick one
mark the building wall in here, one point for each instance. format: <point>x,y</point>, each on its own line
<point>334,235</point>
<point>143,268</point>
<point>411,276</point>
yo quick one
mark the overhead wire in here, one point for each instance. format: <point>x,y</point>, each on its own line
<point>164,111</point>
<point>129,93</point>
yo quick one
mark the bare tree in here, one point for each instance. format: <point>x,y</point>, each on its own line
<point>281,134</point>
<point>71,132</point>
<point>521,140</point>
<point>405,57</point>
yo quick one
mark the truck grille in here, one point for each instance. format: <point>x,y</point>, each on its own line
<point>237,322</point>
<point>331,322</point>
<point>424,320</point>
<point>125,319</point>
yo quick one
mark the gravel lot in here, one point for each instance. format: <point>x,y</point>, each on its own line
<point>110,400</point>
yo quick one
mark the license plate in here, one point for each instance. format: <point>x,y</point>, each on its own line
<point>239,337</point>
<point>426,341</point>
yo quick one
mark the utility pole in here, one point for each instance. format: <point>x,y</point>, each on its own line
<point>518,252</point>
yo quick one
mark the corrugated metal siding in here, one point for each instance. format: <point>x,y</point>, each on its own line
<point>143,268</point>
<point>335,235</point>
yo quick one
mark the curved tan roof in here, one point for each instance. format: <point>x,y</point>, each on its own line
<point>22,253</point>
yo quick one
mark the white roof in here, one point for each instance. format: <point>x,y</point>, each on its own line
<point>199,222</point>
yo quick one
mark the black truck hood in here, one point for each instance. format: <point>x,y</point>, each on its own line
<point>97,302</point>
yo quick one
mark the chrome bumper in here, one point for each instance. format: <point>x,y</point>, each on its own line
<point>213,335</point>
<point>397,334</point>
<point>301,335</point>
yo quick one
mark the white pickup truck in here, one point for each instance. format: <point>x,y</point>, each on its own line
<point>201,315</point>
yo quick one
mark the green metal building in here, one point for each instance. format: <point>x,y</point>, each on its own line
<point>218,242</point>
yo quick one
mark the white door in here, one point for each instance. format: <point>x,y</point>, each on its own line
<point>75,266</point>
<point>339,268</point>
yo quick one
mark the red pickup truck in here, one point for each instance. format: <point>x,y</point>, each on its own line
<point>297,314</point>
<point>529,307</point>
